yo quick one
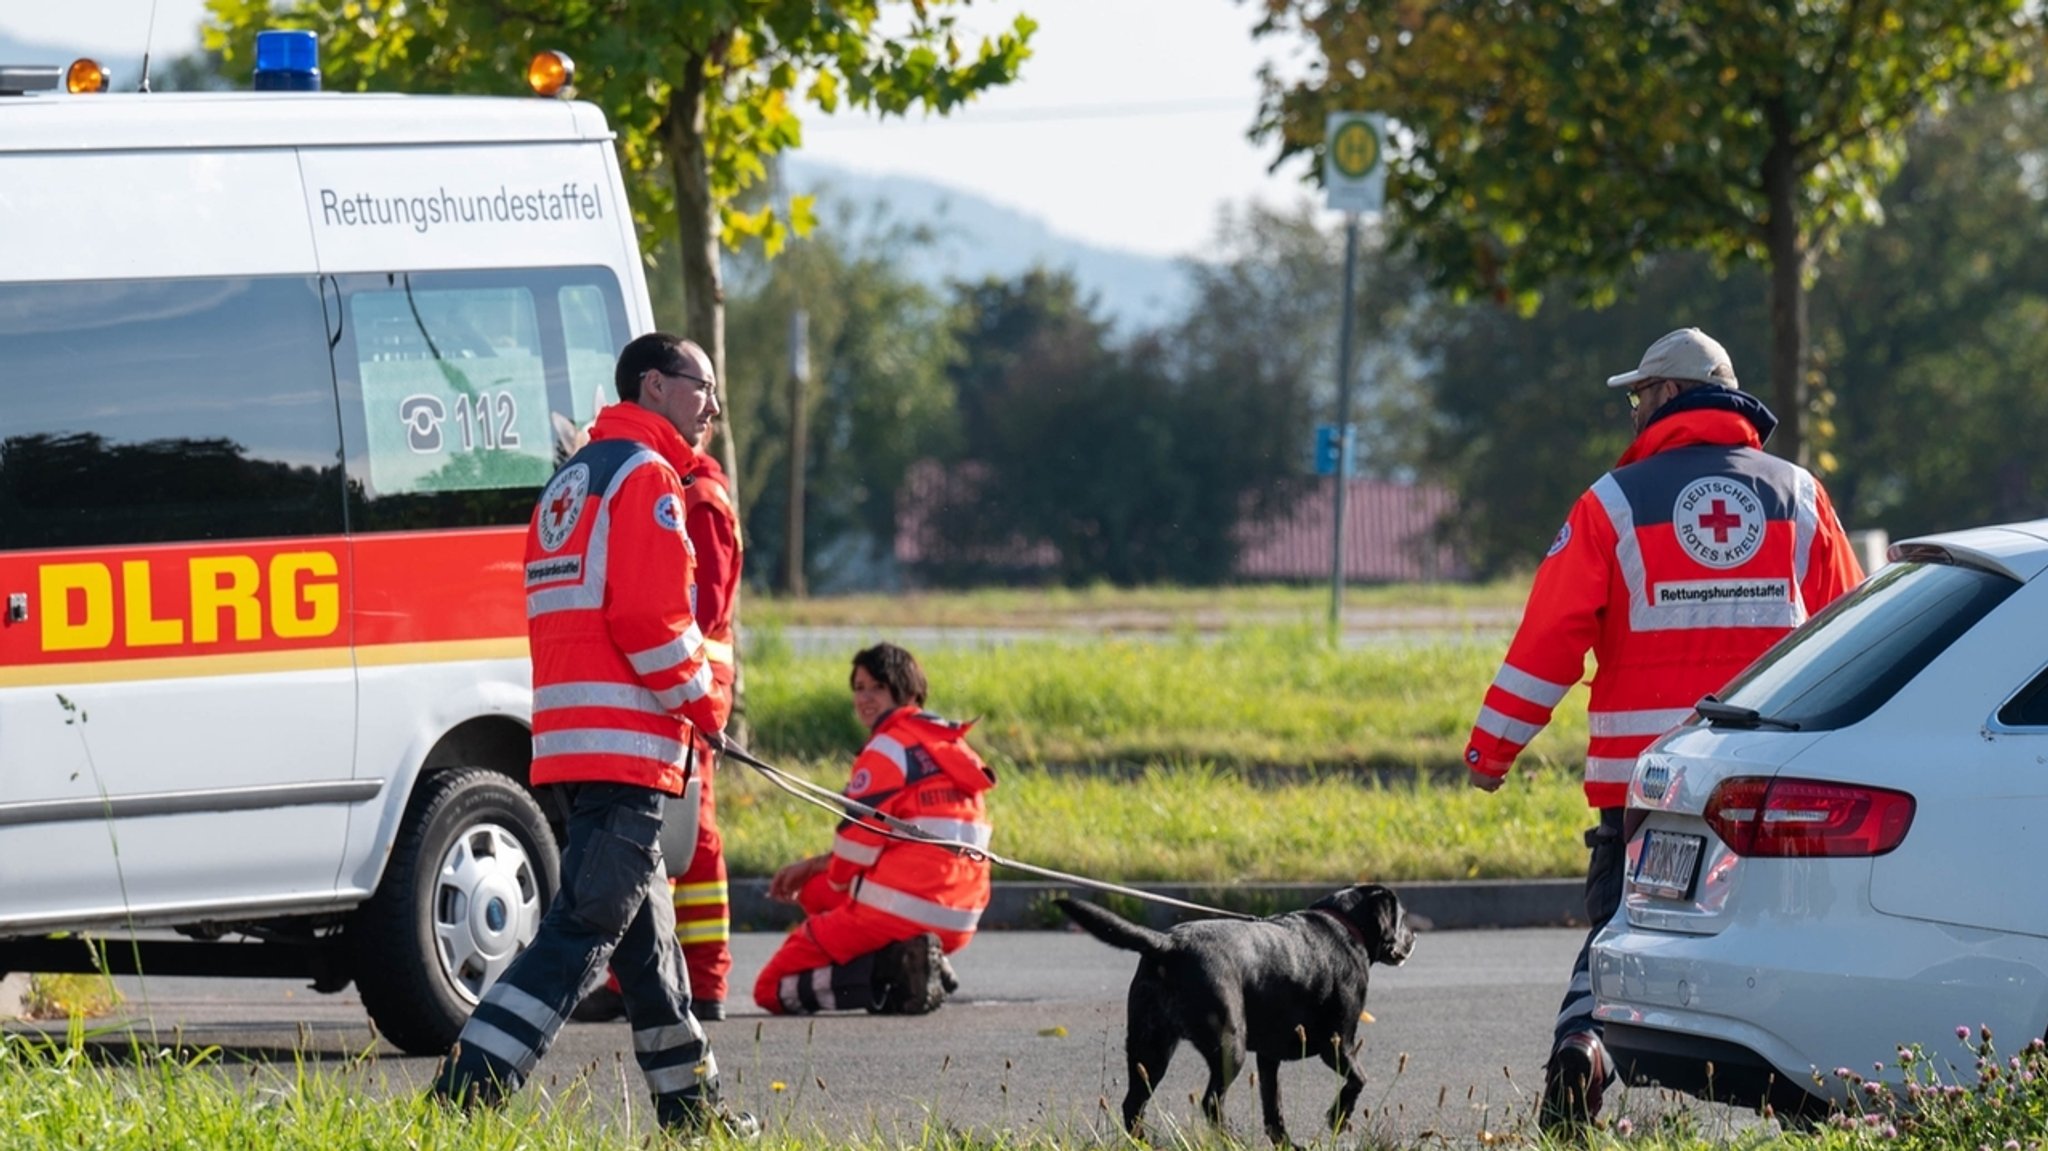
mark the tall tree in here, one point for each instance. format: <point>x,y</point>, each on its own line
<point>701,94</point>
<point>878,401</point>
<point>1939,319</point>
<point>1566,141</point>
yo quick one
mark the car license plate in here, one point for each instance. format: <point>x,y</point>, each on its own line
<point>1668,862</point>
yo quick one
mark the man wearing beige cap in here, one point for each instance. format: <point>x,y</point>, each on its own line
<point>1675,569</point>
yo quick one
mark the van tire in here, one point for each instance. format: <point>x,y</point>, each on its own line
<point>473,870</point>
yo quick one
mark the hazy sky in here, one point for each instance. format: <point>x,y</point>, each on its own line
<point>1127,130</point>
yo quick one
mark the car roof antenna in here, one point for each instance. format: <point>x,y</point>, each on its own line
<point>148,37</point>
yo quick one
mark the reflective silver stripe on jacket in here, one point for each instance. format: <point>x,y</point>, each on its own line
<point>887,745</point>
<point>1521,684</point>
<point>618,696</point>
<point>1619,724</point>
<point>1644,615</point>
<point>674,653</point>
<point>1514,731</point>
<point>955,830</point>
<point>1805,526</point>
<point>854,852</point>
<point>916,909</point>
<point>1609,768</point>
<point>696,687</point>
<point>607,741</point>
<point>589,591</point>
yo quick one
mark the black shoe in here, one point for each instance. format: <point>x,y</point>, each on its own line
<point>1573,1084</point>
<point>600,1006</point>
<point>701,1125</point>
<point>908,979</point>
<point>947,978</point>
<point>708,1010</point>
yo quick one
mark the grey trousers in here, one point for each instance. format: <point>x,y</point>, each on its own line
<point>614,908</point>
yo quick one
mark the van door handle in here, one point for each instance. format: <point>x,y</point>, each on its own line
<point>17,607</point>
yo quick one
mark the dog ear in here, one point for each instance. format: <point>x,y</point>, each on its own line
<point>1393,937</point>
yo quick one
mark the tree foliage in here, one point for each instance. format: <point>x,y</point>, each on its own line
<point>1565,142</point>
<point>878,398</point>
<point>701,94</point>
<point>1937,323</point>
<point>1934,323</point>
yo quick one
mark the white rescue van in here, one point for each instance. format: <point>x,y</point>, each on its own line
<point>281,375</point>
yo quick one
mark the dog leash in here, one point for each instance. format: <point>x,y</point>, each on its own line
<point>888,826</point>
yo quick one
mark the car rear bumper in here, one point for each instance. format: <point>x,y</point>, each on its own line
<point>1780,1003</point>
<point>1711,1069</point>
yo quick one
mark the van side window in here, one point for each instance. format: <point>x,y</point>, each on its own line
<point>454,395</point>
<point>149,411</point>
<point>587,330</point>
<point>461,391</point>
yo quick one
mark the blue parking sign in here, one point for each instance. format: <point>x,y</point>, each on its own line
<point>1327,449</point>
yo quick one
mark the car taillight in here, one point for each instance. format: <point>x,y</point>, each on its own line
<point>1783,818</point>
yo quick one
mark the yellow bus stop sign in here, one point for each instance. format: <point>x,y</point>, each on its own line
<point>1354,171</point>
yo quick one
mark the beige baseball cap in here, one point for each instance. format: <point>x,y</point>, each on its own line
<point>1686,354</point>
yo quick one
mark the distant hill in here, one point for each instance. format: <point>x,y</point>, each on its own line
<point>974,238</point>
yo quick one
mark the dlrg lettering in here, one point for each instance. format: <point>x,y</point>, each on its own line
<point>227,598</point>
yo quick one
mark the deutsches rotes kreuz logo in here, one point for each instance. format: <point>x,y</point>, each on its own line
<point>668,512</point>
<point>562,505</point>
<point>1719,522</point>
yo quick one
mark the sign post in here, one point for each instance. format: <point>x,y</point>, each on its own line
<point>1355,178</point>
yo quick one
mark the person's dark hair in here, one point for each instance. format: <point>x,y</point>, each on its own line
<point>658,351</point>
<point>893,668</point>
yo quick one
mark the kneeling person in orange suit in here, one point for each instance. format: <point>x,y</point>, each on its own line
<point>883,913</point>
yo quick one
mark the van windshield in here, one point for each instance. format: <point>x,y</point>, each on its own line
<point>1867,645</point>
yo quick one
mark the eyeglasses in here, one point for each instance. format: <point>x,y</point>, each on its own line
<point>1635,394</point>
<point>682,376</point>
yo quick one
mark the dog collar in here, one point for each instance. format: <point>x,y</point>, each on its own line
<point>1348,926</point>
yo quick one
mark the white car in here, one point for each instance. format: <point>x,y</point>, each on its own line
<point>1836,858</point>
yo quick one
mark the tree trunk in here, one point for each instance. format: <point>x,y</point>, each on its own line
<point>697,229</point>
<point>1788,291</point>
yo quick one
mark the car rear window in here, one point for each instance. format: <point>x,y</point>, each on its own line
<point>1867,645</point>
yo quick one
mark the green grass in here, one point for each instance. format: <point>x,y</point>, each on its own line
<point>55,1094</point>
<point>1140,608</point>
<point>1203,824</point>
<point>1257,697</point>
<point>1253,754</point>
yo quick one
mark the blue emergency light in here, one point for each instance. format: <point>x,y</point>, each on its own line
<point>287,61</point>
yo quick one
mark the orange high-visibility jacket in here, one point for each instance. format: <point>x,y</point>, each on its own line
<point>1676,569</point>
<point>618,661</point>
<point>713,525</point>
<point>917,767</point>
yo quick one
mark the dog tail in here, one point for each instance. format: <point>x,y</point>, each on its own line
<point>1112,928</point>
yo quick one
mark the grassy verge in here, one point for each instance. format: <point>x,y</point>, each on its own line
<point>52,1095</point>
<point>1255,754</point>
<point>1203,824</point>
<point>1247,697</point>
<point>1145,608</point>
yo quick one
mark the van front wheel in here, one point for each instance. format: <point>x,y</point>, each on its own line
<point>471,874</point>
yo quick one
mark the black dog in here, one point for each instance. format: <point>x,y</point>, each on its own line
<point>1285,987</point>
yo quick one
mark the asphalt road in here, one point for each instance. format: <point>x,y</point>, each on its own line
<point>1031,1043</point>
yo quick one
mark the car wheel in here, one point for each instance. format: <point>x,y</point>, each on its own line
<point>469,879</point>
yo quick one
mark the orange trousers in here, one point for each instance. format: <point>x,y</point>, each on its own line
<point>824,959</point>
<point>703,913</point>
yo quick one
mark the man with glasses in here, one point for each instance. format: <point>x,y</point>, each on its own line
<point>1675,569</point>
<point>621,685</point>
